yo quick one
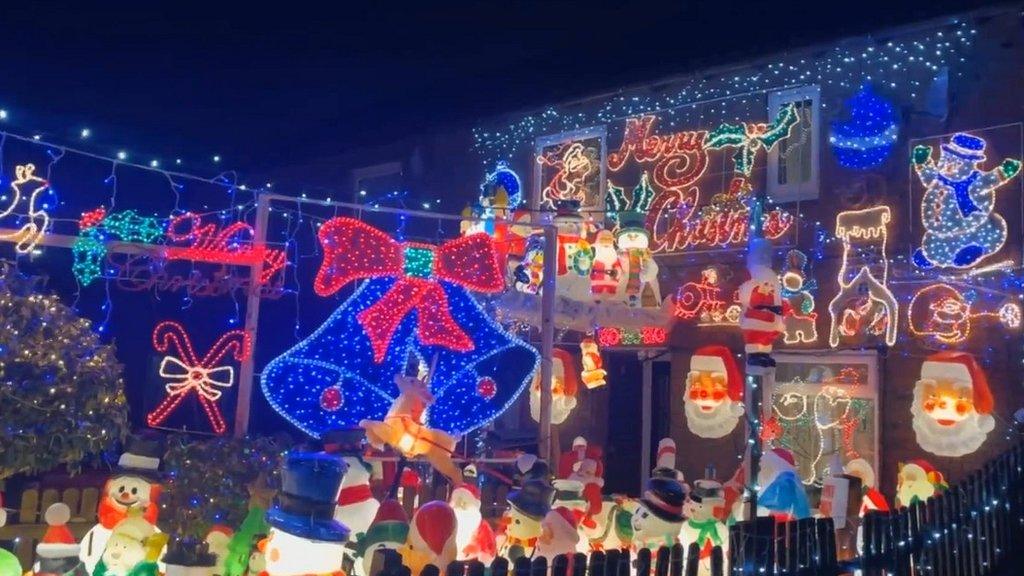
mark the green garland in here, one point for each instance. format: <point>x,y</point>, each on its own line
<point>61,389</point>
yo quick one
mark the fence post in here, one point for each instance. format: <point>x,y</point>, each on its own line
<point>539,567</point>
<point>676,560</point>
<point>499,567</point>
<point>579,564</point>
<point>560,565</point>
<point>661,561</point>
<point>522,566</point>
<point>692,559</point>
<point>598,564</point>
<point>430,570</point>
<point>643,562</point>
<point>717,562</point>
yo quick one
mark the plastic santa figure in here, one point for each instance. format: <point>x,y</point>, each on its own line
<point>474,538</point>
<point>658,519</point>
<point>134,486</point>
<point>704,507</point>
<point>593,374</point>
<point>782,493</point>
<point>431,537</point>
<point>356,504</point>
<point>961,226</point>
<point>918,481</point>
<point>564,387</point>
<point>403,429</point>
<point>713,399</point>
<point>606,272</point>
<point>584,465</point>
<point>217,541</point>
<point>558,534</point>
<point>763,307</point>
<point>952,409</point>
<point>132,549</point>
<point>388,531</point>
<point>304,538</point>
<point>57,552</point>
<point>520,526</point>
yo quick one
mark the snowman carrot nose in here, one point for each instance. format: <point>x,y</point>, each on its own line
<point>262,545</point>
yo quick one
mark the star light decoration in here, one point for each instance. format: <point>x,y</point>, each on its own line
<point>186,372</point>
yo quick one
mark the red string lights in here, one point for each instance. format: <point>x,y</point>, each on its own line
<point>187,372</point>
<point>354,250</point>
<point>231,245</point>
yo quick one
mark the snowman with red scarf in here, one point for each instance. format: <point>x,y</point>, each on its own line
<point>356,506</point>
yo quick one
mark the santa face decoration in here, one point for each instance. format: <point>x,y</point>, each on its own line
<point>918,481</point>
<point>713,397</point>
<point>952,405</point>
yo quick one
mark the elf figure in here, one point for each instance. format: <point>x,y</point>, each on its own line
<point>918,481</point>
<point>431,537</point>
<point>243,547</point>
<point>132,549</point>
<point>356,504</point>
<point>593,374</point>
<point>135,486</point>
<point>304,538</point>
<point>659,518</point>
<point>520,526</point>
<point>388,531</point>
<point>558,534</point>
<point>705,505</point>
<point>474,538</point>
<point>57,552</point>
<point>957,210</point>
<point>763,308</point>
<point>415,300</point>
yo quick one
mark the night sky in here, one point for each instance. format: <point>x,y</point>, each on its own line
<point>265,89</point>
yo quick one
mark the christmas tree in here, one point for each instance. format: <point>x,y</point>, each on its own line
<point>61,389</point>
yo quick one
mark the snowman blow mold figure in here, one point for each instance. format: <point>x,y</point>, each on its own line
<point>304,537</point>
<point>659,518</point>
<point>388,531</point>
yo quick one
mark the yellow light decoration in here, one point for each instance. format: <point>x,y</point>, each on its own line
<point>942,312</point>
<point>25,202</point>
<point>593,374</point>
<point>574,164</point>
<point>864,307</point>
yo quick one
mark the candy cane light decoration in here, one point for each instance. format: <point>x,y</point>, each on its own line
<point>187,372</point>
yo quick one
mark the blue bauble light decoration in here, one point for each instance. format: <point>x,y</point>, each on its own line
<point>502,177</point>
<point>866,137</point>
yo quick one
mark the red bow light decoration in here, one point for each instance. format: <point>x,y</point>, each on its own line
<point>354,250</point>
<point>187,372</point>
<point>232,245</point>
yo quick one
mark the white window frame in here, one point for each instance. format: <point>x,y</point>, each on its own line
<point>543,142</point>
<point>792,192</point>
<point>373,171</point>
<point>869,390</point>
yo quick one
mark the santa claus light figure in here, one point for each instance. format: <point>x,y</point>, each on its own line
<point>952,409</point>
<point>564,387</point>
<point>918,481</point>
<point>713,399</point>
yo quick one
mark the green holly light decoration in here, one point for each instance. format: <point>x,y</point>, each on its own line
<point>61,389</point>
<point>210,481</point>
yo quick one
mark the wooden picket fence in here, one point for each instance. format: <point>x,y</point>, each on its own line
<point>27,526</point>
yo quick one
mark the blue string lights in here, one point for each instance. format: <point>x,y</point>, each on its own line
<point>866,136</point>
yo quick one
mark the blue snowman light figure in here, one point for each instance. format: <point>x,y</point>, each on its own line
<point>957,211</point>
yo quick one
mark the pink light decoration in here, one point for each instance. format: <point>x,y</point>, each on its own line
<point>187,372</point>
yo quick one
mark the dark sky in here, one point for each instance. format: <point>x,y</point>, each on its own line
<point>264,88</point>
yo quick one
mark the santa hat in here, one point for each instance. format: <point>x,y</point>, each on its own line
<point>960,367</point>
<point>779,459</point>
<point>467,490</point>
<point>719,359</point>
<point>57,542</point>
<point>562,521</point>
<point>874,500</point>
<point>570,375</point>
<point>666,453</point>
<point>389,525</point>
<point>435,524</point>
<point>219,533</point>
<point>934,476</point>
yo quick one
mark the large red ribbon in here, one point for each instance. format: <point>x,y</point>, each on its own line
<point>354,250</point>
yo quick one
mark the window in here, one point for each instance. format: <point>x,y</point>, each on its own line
<point>571,166</point>
<point>823,407</point>
<point>793,163</point>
